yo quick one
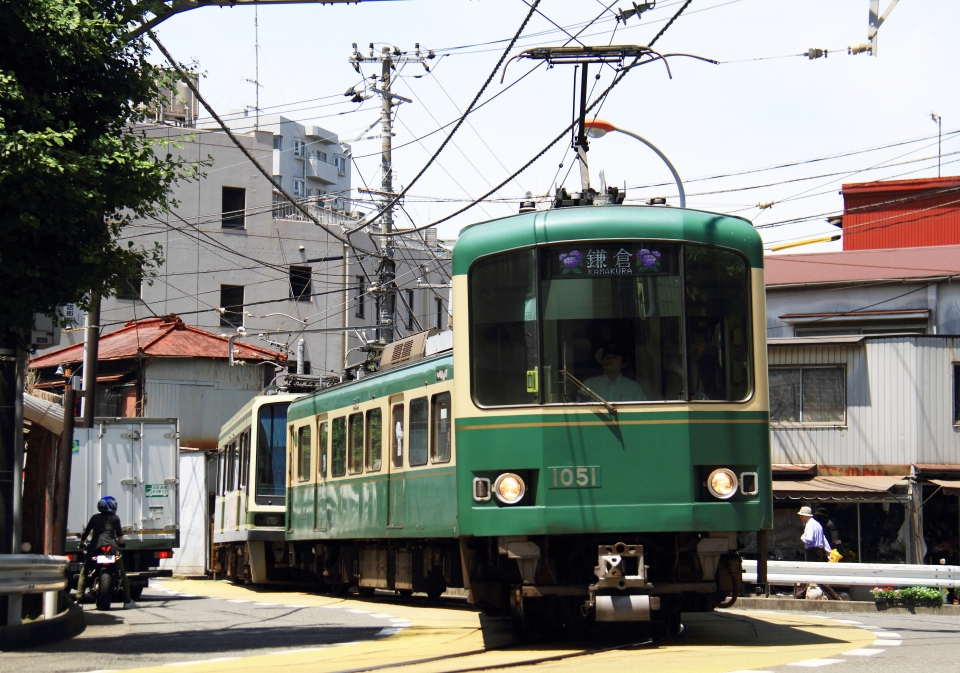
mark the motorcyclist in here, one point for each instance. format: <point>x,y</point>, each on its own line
<point>107,530</point>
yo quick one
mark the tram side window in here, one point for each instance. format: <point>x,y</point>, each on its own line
<point>418,431</point>
<point>322,450</point>
<point>303,453</point>
<point>221,458</point>
<point>338,447</point>
<point>356,443</point>
<point>397,438</point>
<point>440,448</point>
<point>374,440</point>
<point>503,330</point>
<point>718,324</point>
<point>231,466</point>
<point>244,452</point>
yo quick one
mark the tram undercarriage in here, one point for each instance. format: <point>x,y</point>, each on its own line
<point>538,581</point>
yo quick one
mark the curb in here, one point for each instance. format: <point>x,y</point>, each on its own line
<point>795,605</point>
<point>67,624</point>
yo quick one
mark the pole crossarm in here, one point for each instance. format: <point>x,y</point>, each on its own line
<point>162,10</point>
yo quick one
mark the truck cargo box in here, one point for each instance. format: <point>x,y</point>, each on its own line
<point>136,460</point>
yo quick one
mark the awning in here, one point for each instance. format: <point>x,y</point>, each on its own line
<point>949,487</point>
<point>798,469</point>
<point>836,488</point>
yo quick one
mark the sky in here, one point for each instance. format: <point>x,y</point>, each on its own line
<point>763,106</point>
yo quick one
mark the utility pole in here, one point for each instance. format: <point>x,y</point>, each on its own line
<point>937,118</point>
<point>384,288</point>
<point>256,67</point>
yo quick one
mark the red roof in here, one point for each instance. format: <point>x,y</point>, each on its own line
<point>156,337</point>
<point>852,266</point>
<point>905,186</point>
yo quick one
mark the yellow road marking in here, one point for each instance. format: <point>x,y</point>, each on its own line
<point>718,642</point>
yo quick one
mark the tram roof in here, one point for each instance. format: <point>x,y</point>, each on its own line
<point>606,222</point>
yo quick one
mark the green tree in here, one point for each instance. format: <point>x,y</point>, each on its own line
<point>74,169</point>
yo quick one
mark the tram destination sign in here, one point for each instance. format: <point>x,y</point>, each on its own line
<point>574,476</point>
<point>591,259</point>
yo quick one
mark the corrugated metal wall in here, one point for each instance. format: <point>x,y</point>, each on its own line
<point>202,393</point>
<point>899,404</point>
<point>907,224</point>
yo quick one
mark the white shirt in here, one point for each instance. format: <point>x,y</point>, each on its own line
<point>813,537</point>
<point>621,389</point>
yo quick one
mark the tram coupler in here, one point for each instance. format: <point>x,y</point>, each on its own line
<point>620,568</point>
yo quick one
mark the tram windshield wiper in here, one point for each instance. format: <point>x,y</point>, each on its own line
<point>582,386</point>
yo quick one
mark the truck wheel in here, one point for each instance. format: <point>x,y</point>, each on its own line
<point>135,592</point>
<point>104,591</point>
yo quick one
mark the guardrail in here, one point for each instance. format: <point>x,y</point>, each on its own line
<point>859,574</point>
<point>32,574</point>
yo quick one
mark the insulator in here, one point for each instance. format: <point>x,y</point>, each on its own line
<point>859,48</point>
<point>816,53</point>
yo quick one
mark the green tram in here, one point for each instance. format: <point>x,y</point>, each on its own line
<point>592,449</point>
<point>248,520</point>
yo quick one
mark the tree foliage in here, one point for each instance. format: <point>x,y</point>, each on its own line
<point>74,170</point>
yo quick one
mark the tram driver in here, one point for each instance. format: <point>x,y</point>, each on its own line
<point>612,385</point>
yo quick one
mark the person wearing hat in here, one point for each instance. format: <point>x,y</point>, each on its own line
<point>612,385</point>
<point>816,548</point>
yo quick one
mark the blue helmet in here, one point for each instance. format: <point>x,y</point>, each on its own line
<point>107,504</point>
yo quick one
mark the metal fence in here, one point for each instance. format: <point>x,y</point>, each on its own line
<point>855,574</point>
<point>31,573</point>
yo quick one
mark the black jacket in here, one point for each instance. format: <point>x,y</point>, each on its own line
<point>106,529</point>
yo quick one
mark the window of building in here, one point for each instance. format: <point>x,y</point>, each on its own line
<point>442,416</point>
<point>299,188</point>
<point>278,142</point>
<point>397,436</point>
<point>956,393</point>
<point>360,297</point>
<point>298,148</point>
<point>233,203</point>
<point>132,287</point>
<point>322,451</point>
<point>418,447</point>
<point>301,283</point>
<point>411,319</point>
<point>341,165</point>
<point>321,155</point>
<point>374,440</point>
<point>338,447</point>
<point>231,301</point>
<point>438,313</point>
<point>303,453</point>
<point>809,395</point>
<point>356,443</point>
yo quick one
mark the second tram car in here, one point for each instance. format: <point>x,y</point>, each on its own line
<point>249,510</point>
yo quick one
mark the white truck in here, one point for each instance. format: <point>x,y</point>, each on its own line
<point>136,460</point>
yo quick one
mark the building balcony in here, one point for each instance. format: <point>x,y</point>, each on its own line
<point>321,171</point>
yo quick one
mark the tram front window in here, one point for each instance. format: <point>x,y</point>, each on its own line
<point>271,454</point>
<point>607,319</point>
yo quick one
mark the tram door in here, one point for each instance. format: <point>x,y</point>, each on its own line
<point>395,481</point>
<point>320,518</point>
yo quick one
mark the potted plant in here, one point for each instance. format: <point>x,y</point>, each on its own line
<point>910,597</point>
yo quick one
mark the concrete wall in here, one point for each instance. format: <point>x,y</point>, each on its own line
<point>899,404</point>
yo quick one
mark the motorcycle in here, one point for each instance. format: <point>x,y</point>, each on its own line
<point>103,577</point>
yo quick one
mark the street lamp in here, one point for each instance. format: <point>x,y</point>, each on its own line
<point>597,128</point>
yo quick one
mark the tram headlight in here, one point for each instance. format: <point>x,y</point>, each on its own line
<point>722,483</point>
<point>509,488</point>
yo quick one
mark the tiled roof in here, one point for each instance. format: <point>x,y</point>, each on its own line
<point>156,337</point>
<point>851,266</point>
